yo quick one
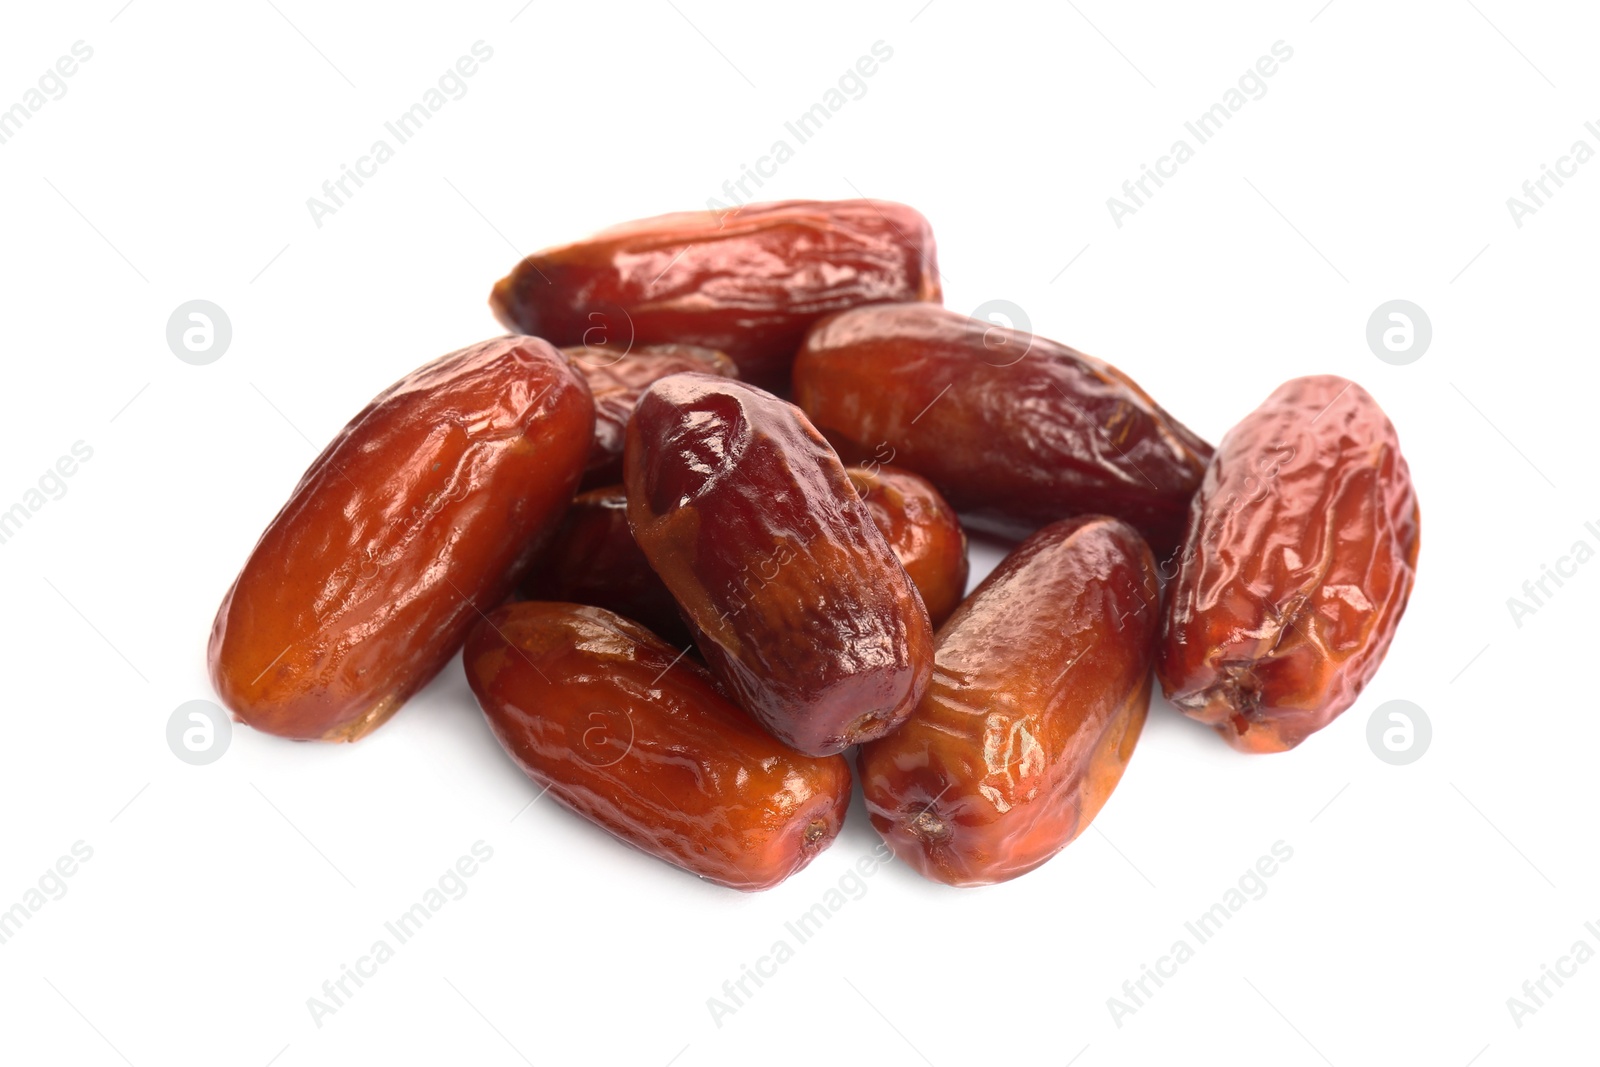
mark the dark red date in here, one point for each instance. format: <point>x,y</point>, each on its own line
<point>797,602</point>
<point>616,377</point>
<point>1014,429</point>
<point>593,559</point>
<point>747,282</point>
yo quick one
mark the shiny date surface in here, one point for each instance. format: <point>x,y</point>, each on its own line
<point>746,282</point>
<point>1014,429</point>
<point>922,531</point>
<point>626,733</point>
<point>1299,559</point>
<point>1040,688</point>
<point>797,602</point>
<point>419,515</point>
<point>616,380</point>
<point>593,559</point>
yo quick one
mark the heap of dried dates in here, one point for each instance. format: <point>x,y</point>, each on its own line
<point>682,597</point>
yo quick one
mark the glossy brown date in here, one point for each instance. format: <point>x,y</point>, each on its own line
<point>1040,687</point>
<point>922,531</point>
<point>796,600</point>
<point>625,733</point>
<point>1300,555</point>
<point>1014,429</point>
<point>747,282</point>
<point>593,559</point>
<point>617,378</point>
<point>420,515</point>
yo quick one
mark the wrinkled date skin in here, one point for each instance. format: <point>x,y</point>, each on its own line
<point>747,282</point>
<point>593,559</point>
<point>617,378</point>
<point>1300,555</point>
<point>923,532</point>
<point>623,732</point>
<point>1040,687</point>
<point>1014,429</point>
<point>420,515</point>
<point>796,600</point>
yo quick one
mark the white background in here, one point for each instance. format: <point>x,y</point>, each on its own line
<point>219,898</point>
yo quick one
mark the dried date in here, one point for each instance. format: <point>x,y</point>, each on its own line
<point>1014,429</point>
<point>747,282</point>
<point>1040,688</point>
<point>797,602</point>
<point>421,514</point>
<point>626,733</point>
<point>593,559</point>
<point>1300,555</point>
